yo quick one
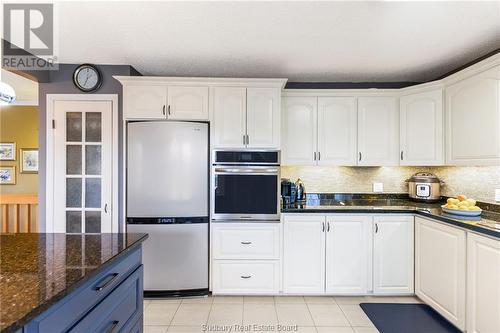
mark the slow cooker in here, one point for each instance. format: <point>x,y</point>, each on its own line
<point>424,187</point>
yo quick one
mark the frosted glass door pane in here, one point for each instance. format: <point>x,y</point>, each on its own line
<point>93,160</point>
<point>93,222</point>
<point>73,159</point>
<point>73,192</point>
<point>93,193</point>
<point>93,127</point>
<point>73,221</point>
<point>74,126</point>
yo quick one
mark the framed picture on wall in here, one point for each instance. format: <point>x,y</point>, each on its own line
<point>7,151</point>
<point>7,175</point>
<point>28,160</point>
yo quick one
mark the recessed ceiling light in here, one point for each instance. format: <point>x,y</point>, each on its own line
<point>7,94</point>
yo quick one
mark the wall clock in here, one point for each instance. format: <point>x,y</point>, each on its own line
<point>87,78</point>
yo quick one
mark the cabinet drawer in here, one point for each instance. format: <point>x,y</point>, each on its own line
<point>74,306</point>
<point>119,311</point>
<point>244,241</point>
<point>245,276</point>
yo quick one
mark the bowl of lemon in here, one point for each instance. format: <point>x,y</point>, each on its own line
<point>461,206</point>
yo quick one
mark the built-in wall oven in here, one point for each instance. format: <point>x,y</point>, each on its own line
<point>246,185</point>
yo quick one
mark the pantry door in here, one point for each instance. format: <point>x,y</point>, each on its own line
<point>82,167</point>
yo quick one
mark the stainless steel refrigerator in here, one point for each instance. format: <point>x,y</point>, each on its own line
<point>167,197</point>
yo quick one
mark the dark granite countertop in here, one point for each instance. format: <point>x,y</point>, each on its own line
<point>484,224</point>
<point>37,269</point>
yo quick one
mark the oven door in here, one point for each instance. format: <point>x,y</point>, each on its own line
<point>245,193</point>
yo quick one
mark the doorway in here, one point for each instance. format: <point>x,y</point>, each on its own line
<point>82,157</point>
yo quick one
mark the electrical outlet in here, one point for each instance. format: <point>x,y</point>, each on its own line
<point>378,187</point>
<point>497,194</point>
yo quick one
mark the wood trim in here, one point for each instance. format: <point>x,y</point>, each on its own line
<point>19,199</point>
<point>19,217</point>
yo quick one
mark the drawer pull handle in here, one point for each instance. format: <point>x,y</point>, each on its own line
<point>107,281</point>
<point>246,276</point>
<point>246,243</point>
<point>112,327</point>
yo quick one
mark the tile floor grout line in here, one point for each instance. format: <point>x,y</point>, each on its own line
<point>210,311</point>
<point>276,310</point>
<point>177,309</point>
<point>310,314</point>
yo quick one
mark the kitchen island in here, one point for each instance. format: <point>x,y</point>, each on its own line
<point>83,282</point>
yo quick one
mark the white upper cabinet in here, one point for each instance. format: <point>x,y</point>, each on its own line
<point>263,117</point>
<point>337,131</point>
<point>473,120</point>
<point>187,103</point>
<point>229,121</point>
<point>148,101</point>
<point>440,268</point>
<point>304,254</point>
<point>378,131</point>
<point>144,102</point>
<point>348,254</point>
<point>421,129</point>
<point>299,130</point>
<point>483,289</point>
<point>393,255</point>
<point>246,117</point>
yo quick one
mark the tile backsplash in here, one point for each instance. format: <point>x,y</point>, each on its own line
<point>476,182</point>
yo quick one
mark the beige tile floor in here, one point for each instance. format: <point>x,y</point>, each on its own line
<point>320,314</point>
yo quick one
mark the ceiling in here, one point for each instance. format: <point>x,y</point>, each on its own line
<point>302,41</point>
<point>26,90</point>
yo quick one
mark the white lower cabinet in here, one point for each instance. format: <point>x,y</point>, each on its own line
<point>348,254</point>
<point>246,258</point>
<point>483,284</point>
<point>440,268</point>
<point>393,255</point>
<point>245,277</point>
<point>304,254</point>
<point>334,254</point>
<point>246,241</point>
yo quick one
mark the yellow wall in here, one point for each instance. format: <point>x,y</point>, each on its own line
<point>19,124</point>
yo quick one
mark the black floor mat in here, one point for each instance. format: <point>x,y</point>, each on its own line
<point>407,318</point>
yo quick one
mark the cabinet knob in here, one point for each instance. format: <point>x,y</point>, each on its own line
<point>246,243</point>
<point>401,155</point>
<point>319,156</point>
<point>376,227</point>
<point>163,111</point>
<point>246,276</point>
<point>168,108</point>
<point>360,156</point>
<point>314,156</point>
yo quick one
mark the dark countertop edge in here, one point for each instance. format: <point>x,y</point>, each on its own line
<point>472,227</point>
<point>42,307</point>
<point>422,212</point>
